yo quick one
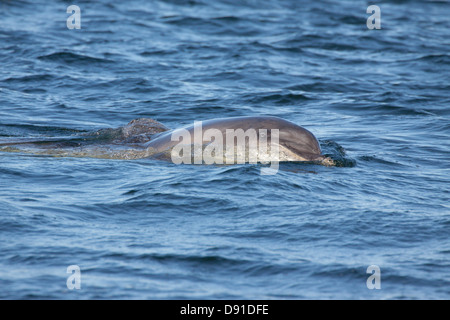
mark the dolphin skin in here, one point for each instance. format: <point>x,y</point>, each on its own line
<point>295,142</point>
<point>144,138</point>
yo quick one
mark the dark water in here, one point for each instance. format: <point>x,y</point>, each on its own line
<point>155,230</point>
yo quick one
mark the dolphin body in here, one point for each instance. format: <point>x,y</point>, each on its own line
<point>295,143</point>
<point>146,138</point>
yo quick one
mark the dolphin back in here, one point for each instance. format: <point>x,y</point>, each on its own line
<point>293,137</point>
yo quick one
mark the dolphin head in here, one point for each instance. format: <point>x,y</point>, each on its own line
<point>299,143</point>
<point>295,142</point>
<point>303,145</point>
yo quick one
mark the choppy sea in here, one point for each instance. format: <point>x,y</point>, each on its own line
<point>149,229</point>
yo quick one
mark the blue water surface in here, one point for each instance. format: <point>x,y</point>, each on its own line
<point>150,229</point>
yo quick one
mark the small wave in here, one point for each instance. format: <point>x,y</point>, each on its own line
<point>386,109</point>
<point>73,58</point>
<point>322,85</point>
<point>327,271</point>
<point>196,259</point>
<point>13,130</point>
<point>336,152</point>
<point>15,3</point>
<point>227,18</point>
<point>208,109</point>
<point>435,58</point>
<point>401,110</point>
<point>184,2</point>
<point>350,19</point>
<point>186,21</point>
<point>378,160</point>
<point>30,78</point>
<point>278,98</point>
<point>159,52</point>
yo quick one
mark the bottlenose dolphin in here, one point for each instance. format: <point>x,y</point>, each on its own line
<point>145,138</point>
<point>294,142</point>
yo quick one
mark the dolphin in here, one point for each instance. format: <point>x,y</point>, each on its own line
<point>295,143</point>
<point>147,138</point>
